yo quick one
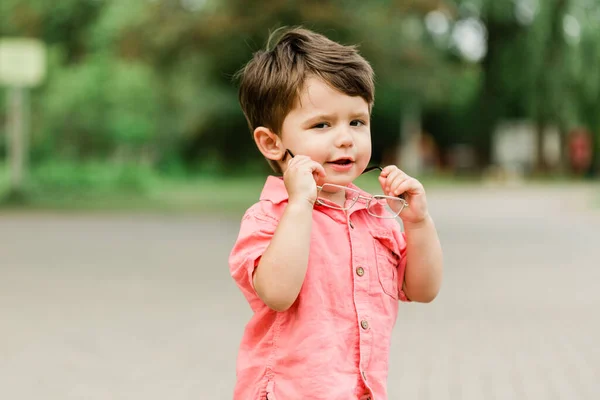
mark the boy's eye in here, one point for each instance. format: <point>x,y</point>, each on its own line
<point>321,125</point>
<point>357,122</point>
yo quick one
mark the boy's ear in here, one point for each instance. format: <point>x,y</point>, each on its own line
<point>268,143</point>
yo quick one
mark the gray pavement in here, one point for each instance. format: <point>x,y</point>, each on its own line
<point>115,306</point>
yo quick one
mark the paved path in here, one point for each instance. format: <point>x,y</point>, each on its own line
<point>142,307</point>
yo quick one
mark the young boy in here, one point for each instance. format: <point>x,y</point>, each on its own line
<point>321,262</point>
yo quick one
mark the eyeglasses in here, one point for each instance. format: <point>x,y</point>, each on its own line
<point>379,206</point>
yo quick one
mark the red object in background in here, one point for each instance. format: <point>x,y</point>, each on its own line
<point>580,150</point>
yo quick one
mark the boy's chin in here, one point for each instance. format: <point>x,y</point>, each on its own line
<point>341,180</point>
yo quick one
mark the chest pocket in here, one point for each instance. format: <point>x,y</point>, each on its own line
<point>387,261</point>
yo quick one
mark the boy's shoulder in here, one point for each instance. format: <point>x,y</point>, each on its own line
<point>264,210</point>
<point>271,203</point>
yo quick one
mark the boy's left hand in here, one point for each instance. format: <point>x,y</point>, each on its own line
<point>395,182</point>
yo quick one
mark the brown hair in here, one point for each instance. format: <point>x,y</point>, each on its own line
<point>271,81</point>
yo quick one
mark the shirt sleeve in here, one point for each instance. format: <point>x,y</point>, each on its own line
<point>256,232</point>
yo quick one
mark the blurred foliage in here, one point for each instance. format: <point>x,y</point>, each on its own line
<point>147,83</point>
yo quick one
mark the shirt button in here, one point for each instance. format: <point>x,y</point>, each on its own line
<point>360,271</point>
<point>364,324</point>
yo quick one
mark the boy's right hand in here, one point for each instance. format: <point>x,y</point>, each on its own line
<point>301,177</point>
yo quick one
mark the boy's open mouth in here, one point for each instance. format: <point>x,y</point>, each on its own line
<point>341,161</point>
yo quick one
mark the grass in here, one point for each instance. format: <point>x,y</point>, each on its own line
<point>200,195</point>
<point>197,196</point>
<point>206,195</point>
<point>93,187</point>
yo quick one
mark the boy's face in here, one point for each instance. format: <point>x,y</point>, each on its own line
<point>331,128</point>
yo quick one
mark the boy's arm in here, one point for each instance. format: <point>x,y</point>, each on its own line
<point>281,270</point>
<point>423,274</point>
<point>424,261</point>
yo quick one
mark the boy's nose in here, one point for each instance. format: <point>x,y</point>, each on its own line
<point>345,138</point>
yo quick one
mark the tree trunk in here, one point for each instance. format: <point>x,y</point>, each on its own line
<point>541,164</point>
<point>409,149</point>
<point>546,111</point>
<point>17,130</point>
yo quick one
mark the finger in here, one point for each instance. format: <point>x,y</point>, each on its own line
<point>406,187</point>
<point>314,167</point>
<point>317,169</point>
<point>302,161</point>
<point>397,187</point>
<point>385,181</point>
<point>297,160</point>
<point>292,161</point>
<point>387,170</point>
<point>394,177</point>
<point>382,182</point>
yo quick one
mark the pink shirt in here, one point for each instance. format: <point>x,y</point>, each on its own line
<point>333,342</point>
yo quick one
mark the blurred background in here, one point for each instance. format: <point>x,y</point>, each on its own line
<point>126,164</point>
<point>138,95</point>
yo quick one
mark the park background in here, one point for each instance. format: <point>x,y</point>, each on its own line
<point>138,104</point>
<point>135,165</point>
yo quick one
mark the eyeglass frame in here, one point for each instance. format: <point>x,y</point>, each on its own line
<point>368,199</point>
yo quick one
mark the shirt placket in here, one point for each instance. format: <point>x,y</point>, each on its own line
<point>361,271</point>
